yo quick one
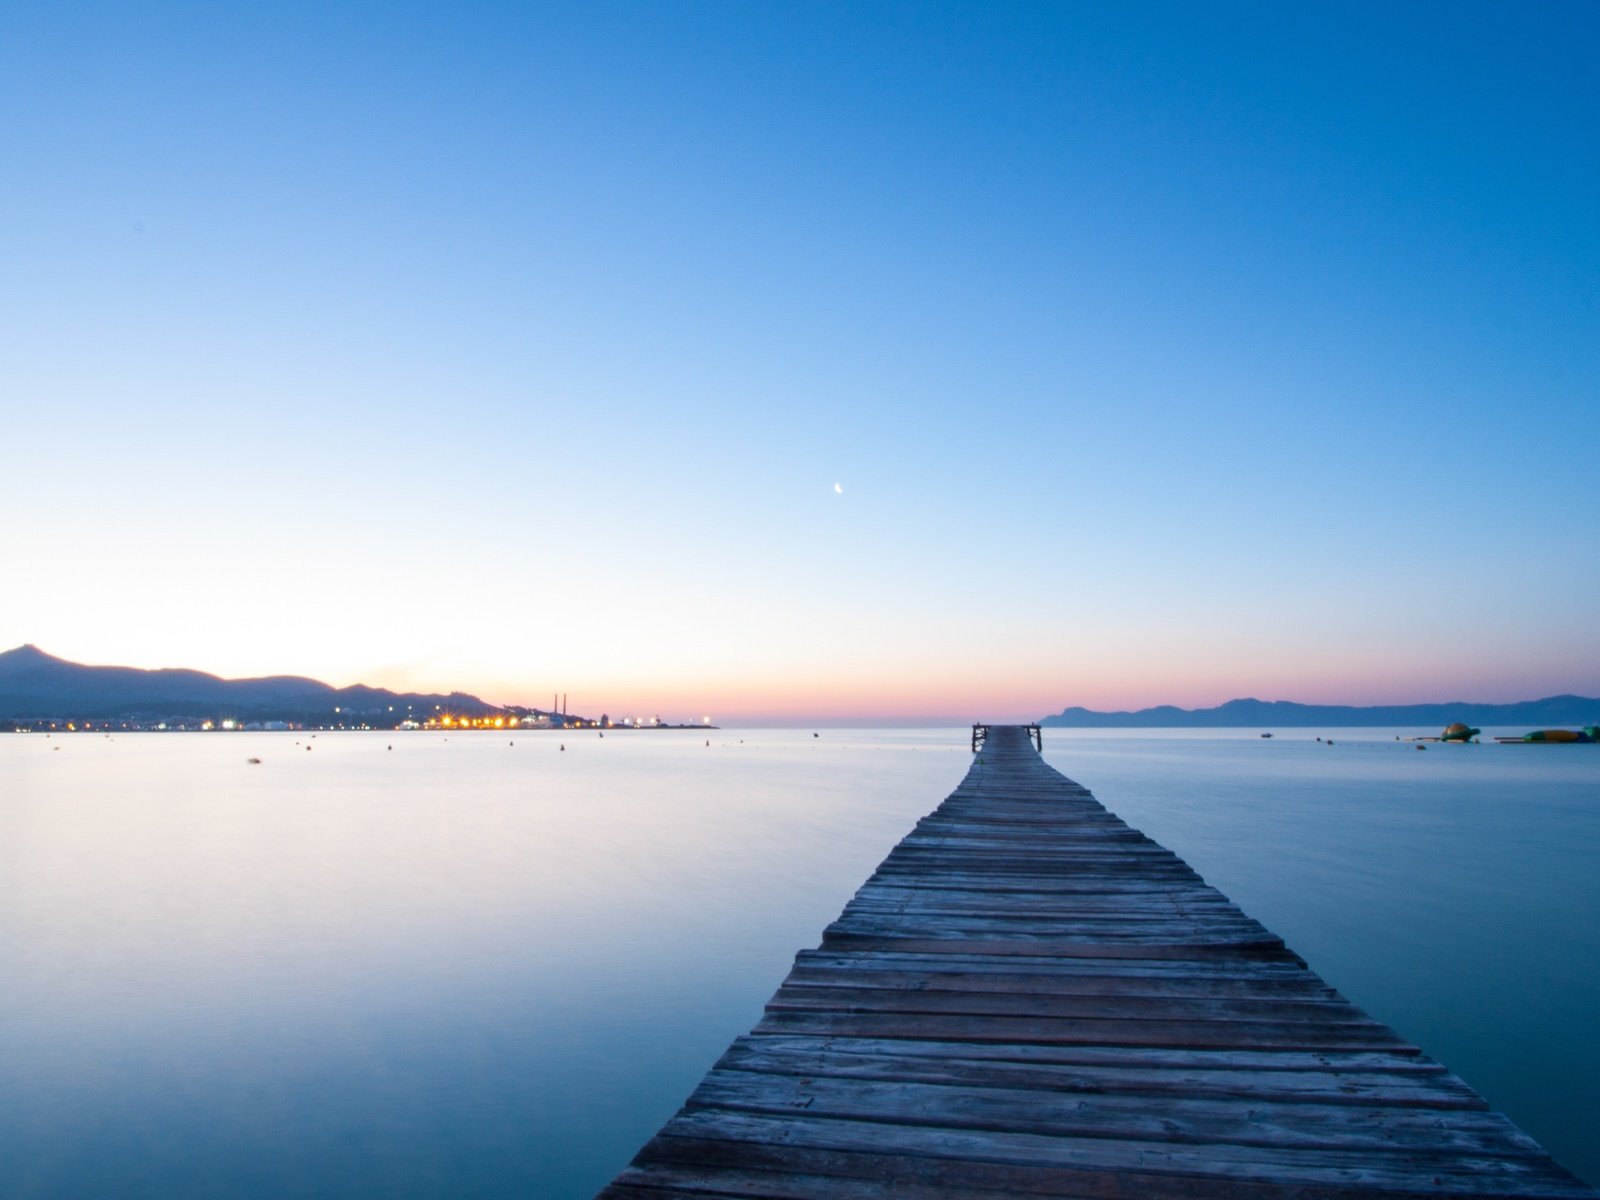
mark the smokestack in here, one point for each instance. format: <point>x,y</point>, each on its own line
<point>563,704</point>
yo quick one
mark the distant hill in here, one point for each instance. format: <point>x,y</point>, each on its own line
<point>35,685</point>
<point>1552,710</point>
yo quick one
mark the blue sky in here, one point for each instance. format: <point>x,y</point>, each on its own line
<point>1163,353</point>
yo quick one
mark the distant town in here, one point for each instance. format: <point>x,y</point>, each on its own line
<point>511,718</point>
<point>40,693</point>
<point>533,720</point>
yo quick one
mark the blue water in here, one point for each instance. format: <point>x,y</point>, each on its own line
<point>463,966</point>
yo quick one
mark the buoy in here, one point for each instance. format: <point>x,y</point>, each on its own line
<point>563,746</point>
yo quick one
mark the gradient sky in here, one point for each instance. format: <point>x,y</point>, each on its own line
<point>1163,353</point>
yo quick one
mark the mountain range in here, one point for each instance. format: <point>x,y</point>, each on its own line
<point>35,685</point>
<point>1248,713</point>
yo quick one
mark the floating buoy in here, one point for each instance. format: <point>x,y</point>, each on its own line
<point>563,746</point>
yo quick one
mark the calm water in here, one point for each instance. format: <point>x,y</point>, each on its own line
<point>462,967</point>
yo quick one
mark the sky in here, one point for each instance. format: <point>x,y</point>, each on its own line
<point>807,361</point>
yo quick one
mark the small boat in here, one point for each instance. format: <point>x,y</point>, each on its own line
<point>1589,733</point>
<point>1454,733</point>
<point>1266,735</point>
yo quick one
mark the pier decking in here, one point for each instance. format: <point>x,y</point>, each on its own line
<point>1030,998</point>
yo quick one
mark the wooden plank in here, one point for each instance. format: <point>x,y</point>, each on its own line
<point>1285,969</point>
<point>786,1173</point>
<point>1126,1074</point>
<point>661,1181</point>
<point>1243,1034</point>
<point>1129,884</point>
<point>1308,1125</point>
<point>946,915</point>
<point>1168,927</point>
<point>812,998</point>
<point>1193,945</point>
<point>1187,1058</point>
<point>1224,1167</point>
<point>1039,984</point>
<point>952,901</point>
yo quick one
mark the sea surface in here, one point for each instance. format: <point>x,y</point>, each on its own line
<point>412,965</point>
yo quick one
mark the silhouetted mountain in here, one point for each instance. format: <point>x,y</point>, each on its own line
<point>36,685</point>
<point>1552,710</point>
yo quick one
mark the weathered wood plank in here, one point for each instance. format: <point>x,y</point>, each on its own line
<point>1260,1061</point>
<point>820,1057</point>
<point>812,998</point>
<point>1243,1034</point>
<point>858,938</point>
<point>1144,984</point>
<point>1284,969</point>
<point>1167,927</point>
<point>1473,1132</point>
<point>1290,1168</point>
<point>1056,884</point>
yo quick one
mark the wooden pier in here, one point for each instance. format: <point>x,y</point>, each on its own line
<point>1029,998</point>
